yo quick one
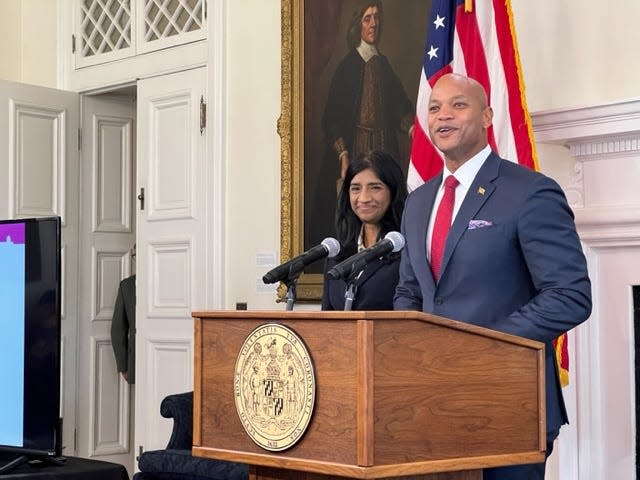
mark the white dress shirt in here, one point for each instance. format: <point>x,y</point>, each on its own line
<point>465,176</point>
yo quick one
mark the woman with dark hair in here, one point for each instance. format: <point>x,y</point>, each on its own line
<point>370,205</point>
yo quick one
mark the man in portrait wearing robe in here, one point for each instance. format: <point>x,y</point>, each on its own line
<point>367,105</point>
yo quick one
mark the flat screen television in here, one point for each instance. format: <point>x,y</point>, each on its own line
<point>30,274</point>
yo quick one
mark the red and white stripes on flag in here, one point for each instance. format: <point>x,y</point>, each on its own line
<point>477,39</point>
<point>479,43</point>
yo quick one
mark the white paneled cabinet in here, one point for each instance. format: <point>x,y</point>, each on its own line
<point>109,43</point>
<point>108,30</point>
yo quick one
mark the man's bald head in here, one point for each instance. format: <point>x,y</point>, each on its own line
<point>459,117</point>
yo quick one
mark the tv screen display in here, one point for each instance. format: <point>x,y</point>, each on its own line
<point>30,340</point>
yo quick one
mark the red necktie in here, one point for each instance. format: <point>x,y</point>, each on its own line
<point>442,225</point>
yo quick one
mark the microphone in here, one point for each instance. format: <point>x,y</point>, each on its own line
<point>392,242</point>
<point>329,247</point>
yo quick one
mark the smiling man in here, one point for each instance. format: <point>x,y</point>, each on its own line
<point>459,117</point>
<point>492,243</point>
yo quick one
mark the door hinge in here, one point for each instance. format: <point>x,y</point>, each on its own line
<point>79,139</point>
<point>205,9</point>
<point>75,439</point>
<point>203,114</point>
<point>73,43</point>
<point>140,452</point>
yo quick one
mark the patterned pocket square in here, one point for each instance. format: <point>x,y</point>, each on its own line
<point>473,224</point>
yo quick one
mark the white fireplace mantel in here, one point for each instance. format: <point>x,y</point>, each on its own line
<point>604,141</point>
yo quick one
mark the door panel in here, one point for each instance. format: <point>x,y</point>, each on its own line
<point>39,177</point>
<point>107,229</point>
<point>171,243</point>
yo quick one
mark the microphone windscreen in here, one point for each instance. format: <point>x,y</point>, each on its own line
<point>396,239</point>
<point>332,245</point>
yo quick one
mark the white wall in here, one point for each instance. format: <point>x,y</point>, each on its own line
<point>576,54</point>
<point>253,148</point>
<point>10,33</point>
<point>28,33</point>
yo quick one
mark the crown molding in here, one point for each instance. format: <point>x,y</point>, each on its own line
<point>577,124</point>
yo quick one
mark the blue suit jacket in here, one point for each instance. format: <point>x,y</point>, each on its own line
<point>512,262</point>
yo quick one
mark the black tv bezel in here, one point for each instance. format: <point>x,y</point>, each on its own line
<point>54,449</point>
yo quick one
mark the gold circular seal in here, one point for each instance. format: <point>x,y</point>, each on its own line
<point>274,387</point>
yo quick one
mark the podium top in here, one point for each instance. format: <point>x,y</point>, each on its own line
<point>370,315</point>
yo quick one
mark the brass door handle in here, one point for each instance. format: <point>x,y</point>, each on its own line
<point>141,198</point>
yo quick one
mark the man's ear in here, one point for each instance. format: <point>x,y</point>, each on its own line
<point>487,117</point>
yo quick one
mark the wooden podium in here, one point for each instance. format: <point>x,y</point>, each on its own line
<point>399,394</point>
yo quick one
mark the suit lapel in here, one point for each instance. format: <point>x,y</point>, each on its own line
<point>479,192</point>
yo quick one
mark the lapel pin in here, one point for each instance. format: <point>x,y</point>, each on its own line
<point>481,190</point>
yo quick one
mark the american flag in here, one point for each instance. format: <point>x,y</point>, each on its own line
<point>477,39</point>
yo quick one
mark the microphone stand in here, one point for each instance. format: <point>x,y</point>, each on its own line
<point>291,293</point>
<point>352,284</point>
<point>291,282</point>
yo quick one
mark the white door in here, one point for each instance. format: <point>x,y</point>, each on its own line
<point>39,177</point>
<point>171,243</point>
<point>107,230</point>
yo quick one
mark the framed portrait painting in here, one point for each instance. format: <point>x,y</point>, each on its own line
<point>323,42</point>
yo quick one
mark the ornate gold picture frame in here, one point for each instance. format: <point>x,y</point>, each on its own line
<point>313,43</point>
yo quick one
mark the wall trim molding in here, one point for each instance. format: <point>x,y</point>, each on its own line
<point>611,145</point>
<point>565,126</point>
<point>609,131</point>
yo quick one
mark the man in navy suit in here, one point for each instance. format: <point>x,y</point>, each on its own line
<point>512,259</point>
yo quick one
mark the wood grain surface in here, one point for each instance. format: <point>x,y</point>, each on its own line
<point>399,394</point>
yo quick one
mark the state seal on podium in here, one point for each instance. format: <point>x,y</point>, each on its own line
<point>274,387</point>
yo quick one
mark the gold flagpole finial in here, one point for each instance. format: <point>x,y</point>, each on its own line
<point>468,5</point>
